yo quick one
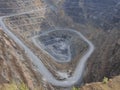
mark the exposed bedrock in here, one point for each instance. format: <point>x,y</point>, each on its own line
<point>104,14</point>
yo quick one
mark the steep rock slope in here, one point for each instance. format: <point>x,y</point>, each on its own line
<point>99,13</point>
<point>15,66</point>
<point>99,21</point>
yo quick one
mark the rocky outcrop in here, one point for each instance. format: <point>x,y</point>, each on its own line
<point>112,84</point>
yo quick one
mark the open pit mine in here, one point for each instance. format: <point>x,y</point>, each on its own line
<point>59,44</point>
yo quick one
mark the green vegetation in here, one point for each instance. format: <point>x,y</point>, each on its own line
<point>105,80</point>
<point>74,88</point>
<point>14,86</point>
<point>23,87</point>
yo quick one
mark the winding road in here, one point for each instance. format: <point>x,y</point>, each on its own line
<point>47,75</point>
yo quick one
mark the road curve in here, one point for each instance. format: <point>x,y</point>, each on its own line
<point>41,67</point>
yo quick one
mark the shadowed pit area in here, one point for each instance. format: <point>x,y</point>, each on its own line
<point>62,45</point>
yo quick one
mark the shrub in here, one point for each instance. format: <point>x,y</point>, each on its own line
<point>74,88</point>
<point>23,87</point>
<point>105,80</point>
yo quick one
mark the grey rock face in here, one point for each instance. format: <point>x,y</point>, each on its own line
<point>103,14</point>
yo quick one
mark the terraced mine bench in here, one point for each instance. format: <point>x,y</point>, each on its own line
<point>8,7</point>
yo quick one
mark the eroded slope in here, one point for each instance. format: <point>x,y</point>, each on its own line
<point>15,66</point>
